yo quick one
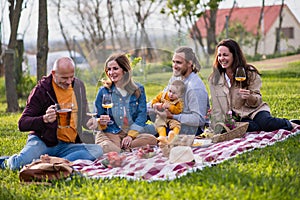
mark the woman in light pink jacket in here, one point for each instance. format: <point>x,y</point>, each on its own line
<point>242,98</point>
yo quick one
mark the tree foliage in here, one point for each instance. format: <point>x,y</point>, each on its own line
<point>238,32</point>
<point>108,25</point>
<point>189,12</point>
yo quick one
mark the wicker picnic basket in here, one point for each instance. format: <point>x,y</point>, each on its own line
<point>237,132</point>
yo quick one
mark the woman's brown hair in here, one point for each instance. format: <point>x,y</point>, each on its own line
<point>127,81</point>
<point>239,60</point>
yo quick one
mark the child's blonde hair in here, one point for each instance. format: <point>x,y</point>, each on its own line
<point>179,85</point>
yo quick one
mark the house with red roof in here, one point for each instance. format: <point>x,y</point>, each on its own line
<point>249,18</point>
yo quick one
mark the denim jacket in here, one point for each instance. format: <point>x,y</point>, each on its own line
<point>135,108</point>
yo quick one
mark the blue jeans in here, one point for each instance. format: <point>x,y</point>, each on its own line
<point>263,121</point>
<point>35,147</point>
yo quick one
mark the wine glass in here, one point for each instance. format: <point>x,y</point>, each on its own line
<point>240,75</point>
<point>107,103</point>
<point>92,112</point>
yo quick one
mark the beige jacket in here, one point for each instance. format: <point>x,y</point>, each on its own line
<point>225,99</point>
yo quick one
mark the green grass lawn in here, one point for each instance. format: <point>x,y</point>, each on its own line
<point>269,173</point>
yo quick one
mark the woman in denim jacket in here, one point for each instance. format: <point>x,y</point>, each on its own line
<point>128,114</point>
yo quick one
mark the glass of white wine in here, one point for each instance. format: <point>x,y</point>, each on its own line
<point>92,112</point>
<point>107,103</point>
<point>240,75</point>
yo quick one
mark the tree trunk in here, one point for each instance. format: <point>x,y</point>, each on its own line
<point>62,31</point>
<point>111,22</point>
<point>228,18</point>
<point>278,31</point>
<point>10,82</point>
<point>42,41</point>
<point>19,60</point>
<point>211,32</point>
<point>258,35</point>
<point>15,9</point>
<point>1,57</point>
<point>196,35</point>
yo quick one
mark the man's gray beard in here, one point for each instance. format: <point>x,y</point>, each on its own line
<point>60,85</point>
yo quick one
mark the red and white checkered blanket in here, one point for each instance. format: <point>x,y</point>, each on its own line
<point>159,167</point>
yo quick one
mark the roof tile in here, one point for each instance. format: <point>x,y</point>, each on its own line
<point>248,16</point>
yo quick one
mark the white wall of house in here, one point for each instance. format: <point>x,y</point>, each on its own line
<point>286,44</point>
<point>267,43</point>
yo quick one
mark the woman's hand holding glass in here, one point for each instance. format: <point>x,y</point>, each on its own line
<point>92,112</point>
<point>107,103</point>
<point>245,94</point>
<point>92,124</point>
<point>104,120</point>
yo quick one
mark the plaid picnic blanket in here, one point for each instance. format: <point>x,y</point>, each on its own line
<point>159,167</point>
